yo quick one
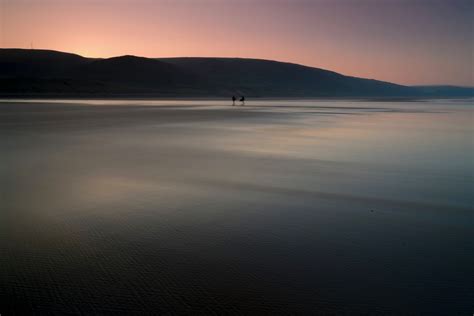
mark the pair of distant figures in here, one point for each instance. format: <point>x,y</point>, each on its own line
<point>242,100</point>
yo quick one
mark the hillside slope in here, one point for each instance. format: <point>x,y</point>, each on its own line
<point>42,72</point>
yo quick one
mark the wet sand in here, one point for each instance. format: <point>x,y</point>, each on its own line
<point>313,207</point>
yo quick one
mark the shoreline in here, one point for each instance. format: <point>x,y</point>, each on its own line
<point>33,97</point>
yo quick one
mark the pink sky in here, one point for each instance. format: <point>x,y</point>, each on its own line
<point>407,42</point>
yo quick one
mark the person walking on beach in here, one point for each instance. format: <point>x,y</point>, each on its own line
<point>242,101</point>
<point>233,100</point>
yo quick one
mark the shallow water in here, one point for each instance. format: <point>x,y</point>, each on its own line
<point>291,206</point>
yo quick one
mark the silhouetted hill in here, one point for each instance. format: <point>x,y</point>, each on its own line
<point>445,91</point>
<point>37,63</point>
<point>44,72</point>
<point>134,69</point>
<point>265,77</point>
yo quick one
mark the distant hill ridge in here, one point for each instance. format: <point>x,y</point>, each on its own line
<point>46,72</point>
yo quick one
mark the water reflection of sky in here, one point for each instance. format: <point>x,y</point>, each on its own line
<point>312,204</point>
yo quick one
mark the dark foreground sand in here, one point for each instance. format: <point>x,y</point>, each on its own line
<point>280,207</point>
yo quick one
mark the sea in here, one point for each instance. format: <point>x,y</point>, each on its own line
<point>320,207</point>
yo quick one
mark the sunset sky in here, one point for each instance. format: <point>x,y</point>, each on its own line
<point>407,42</point>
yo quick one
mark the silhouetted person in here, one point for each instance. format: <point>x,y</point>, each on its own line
<point>242,101</point>
<point>233,100</point>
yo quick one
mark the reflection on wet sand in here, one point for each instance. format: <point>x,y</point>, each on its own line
<point>196,207</point>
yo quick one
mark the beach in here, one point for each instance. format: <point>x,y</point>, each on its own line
<point>281,206</point>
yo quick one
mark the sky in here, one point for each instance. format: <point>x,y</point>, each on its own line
<point>409,42</point>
